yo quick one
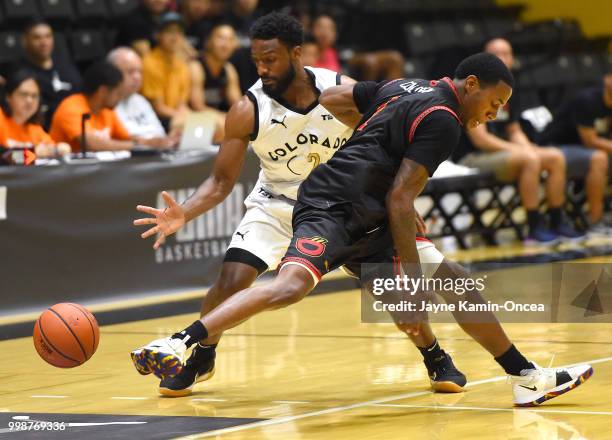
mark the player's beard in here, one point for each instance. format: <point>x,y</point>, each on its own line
<point>281,85</point>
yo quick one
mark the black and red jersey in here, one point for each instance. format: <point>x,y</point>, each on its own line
<point>403,119</point>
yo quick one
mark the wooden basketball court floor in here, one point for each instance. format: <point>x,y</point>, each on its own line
<point>310,371</point>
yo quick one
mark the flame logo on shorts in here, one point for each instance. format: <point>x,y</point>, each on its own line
<point>313,246</point>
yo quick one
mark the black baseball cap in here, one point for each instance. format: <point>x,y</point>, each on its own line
<point>170,18</point>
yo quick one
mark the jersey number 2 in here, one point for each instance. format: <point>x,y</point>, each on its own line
<point>314,157</point>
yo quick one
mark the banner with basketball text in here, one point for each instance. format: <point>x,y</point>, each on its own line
<point>67,235</point>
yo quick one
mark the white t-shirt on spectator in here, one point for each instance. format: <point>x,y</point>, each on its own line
<point>138,117</point>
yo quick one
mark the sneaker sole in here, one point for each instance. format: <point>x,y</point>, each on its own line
<point>533,243</point>
<point>446,387</point>
<point>160,364</point>
<point>186,391</point>
<point>556,393</point>
<point>140,363</point>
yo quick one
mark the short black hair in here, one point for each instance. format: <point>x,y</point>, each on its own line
<point>34,22</point>
<point>277,25</point>
<point>488,68</point>
<point>101,73</point>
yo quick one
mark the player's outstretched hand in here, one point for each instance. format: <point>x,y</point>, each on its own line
<point>167,221</point>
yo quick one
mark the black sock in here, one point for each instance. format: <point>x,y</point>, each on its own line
<point>533,219</point>
<point>207,351</point>
<point>513,362</point>
<point>556,217</point>
<point>195,331</point>
<point>432,353</point>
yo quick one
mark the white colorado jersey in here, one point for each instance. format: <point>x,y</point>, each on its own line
<point>290,142</point>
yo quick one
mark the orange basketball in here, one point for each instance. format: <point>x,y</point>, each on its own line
<point>66,335</point>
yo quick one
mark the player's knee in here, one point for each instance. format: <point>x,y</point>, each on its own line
<point>286,294</point>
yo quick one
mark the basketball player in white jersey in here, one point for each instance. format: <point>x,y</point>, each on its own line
<point>291,133</point>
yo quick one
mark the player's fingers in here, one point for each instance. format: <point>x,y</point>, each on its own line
<point>148,210</point>
<point>145,221</point>
<point>169,200</point>
<point>150,232</point>
<point>160,240</point>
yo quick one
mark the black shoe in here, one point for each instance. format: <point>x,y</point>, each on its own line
<point>444,376</point>
<point>199,367</point>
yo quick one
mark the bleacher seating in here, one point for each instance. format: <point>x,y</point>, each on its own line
<point>87,45</point>
<point>18,12</point>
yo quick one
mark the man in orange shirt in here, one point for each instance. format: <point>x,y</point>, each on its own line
<point>101,93</point>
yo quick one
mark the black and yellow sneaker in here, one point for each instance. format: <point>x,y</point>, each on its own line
<point>444,377</point>
<point>199,367</point>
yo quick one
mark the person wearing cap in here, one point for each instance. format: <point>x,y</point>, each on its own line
<point>166,78</point>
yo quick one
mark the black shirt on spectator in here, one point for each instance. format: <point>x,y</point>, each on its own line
<point>56,83</point>
<point>584,110</point>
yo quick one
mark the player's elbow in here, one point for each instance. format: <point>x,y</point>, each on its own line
<point>222,185</point>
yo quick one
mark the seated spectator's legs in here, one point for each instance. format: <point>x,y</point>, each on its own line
<point>522,165</point>
<point>553,162</point>
<point>592,165</point>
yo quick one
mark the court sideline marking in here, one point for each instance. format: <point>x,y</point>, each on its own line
<point>287,419</point>
<point>479,408</point>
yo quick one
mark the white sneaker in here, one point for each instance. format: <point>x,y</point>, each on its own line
<point>536,386</point>
<point>162,357</point>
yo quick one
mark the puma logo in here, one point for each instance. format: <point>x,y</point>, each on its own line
<point>276,121</point>
<point>241,234</point>
<point>529,388</point>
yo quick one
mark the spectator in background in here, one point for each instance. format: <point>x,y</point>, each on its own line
<point>134,111</point>
<point>502,147</point>
<point>20,117</point>
<point>582,127</point>
<point>166,77</point>
<point>325,33</point>
<point>215,81</point>
<point>137,29</point>
<point>101,93</point>
<point>310,51</point>
<point>57,78</point>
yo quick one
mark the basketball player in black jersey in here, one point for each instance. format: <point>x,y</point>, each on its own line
<point>276,50</point>
<point>358,208</point>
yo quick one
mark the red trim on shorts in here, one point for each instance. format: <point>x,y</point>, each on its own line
<point>424,113</point>
<point>304,262</point>
<point>423,239</point>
